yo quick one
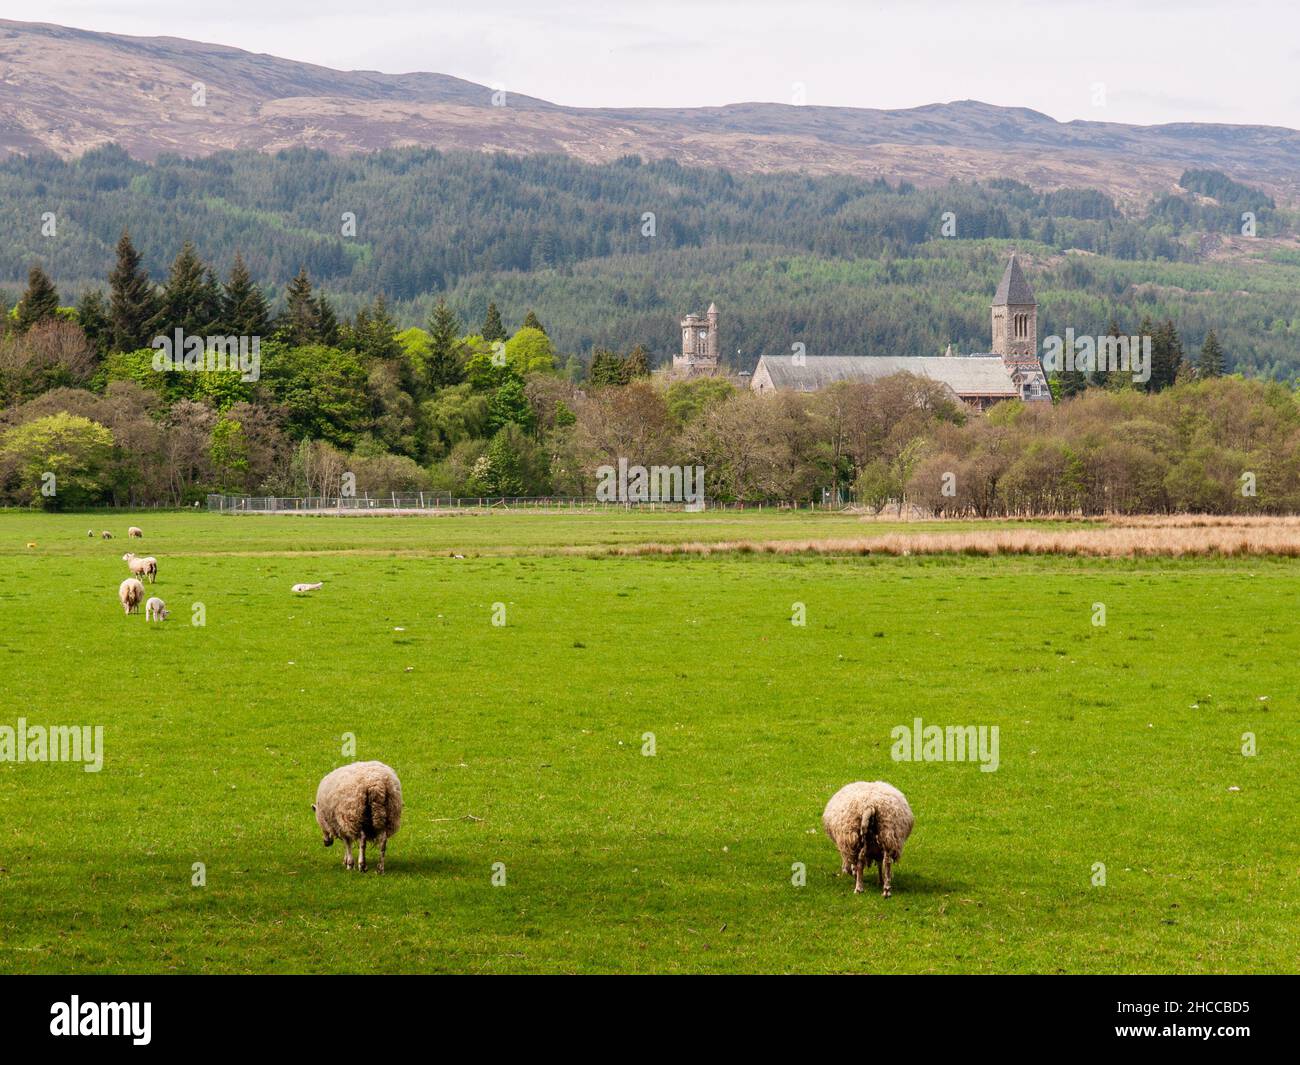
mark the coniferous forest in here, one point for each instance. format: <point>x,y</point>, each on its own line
<point>487,325</point>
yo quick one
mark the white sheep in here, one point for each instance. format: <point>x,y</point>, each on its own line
<point>129,594</point>
<point>90,533</point>
<point>134,532</point>
<point>361,801</point>
<point>306,587</point>
<point>142,567</point>
<point>106,535</point>
<point>869,823</point>
<point>156,609</point>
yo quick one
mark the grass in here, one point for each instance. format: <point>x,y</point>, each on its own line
<point>522,745</point>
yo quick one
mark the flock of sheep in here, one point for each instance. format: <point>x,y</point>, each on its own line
<point>362,802</point>
<point>130,593</point>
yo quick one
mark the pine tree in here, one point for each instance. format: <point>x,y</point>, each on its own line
<point>493,330</point>
<point>327,322</point>
<point>606,369</point>
<point>243,307</point>
<point>1147,329</point>
<point>637,364</point>
<point>92,316</point>
<point>531,322</point>
<point>299,323</point>
<point>374,334</point>
<point>1211,360</point>
<point>1166,357</point>
<point>190,298</point>
<point>133,303</point>
<point>39,302</point>
<point>1101,376</point>
<point>443,365</point>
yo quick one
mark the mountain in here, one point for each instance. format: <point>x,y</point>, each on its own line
<point>67,90</point>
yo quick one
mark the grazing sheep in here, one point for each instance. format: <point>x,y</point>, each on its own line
<point>361,801</point>
<point>31,543</point>
<point>134,532</point>
<point>106,535</point>
<point>869,823</point>
<point>142,567</point>
<point>90,533</point>
<point>156,610</point>
<point>306,587</point>
<point>129,593</point>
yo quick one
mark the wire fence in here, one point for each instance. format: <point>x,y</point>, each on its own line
<point>425,502</point>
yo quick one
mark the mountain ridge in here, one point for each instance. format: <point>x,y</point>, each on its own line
<point>67,90</point>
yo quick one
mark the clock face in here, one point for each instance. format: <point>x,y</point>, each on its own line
<point>703,335</point>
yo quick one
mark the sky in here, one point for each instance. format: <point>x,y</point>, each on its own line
<point>1134,61</point>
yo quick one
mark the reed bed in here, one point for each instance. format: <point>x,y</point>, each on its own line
<point>1158,537</point>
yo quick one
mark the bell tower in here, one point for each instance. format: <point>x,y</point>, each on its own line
<point>1015,314</point>
<point>700,345</point>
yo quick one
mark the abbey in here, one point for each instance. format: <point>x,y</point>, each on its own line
<point>1010,371</point>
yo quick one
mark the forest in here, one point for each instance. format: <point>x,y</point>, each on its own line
<point>89,416</point>
<point>612,255</point>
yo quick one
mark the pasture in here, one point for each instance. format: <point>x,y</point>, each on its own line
<point>521,750</point>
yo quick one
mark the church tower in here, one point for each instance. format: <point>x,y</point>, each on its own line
<point>1015,314</point>
<point>700,345</point>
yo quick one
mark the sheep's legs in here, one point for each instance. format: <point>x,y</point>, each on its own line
<point>857,878</point>
<point>383,849</point>
<point>885,863</point>
<point>347,854</point>
<point>362,864</point>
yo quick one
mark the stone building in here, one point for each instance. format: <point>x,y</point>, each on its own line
<point>1010,371</point>
<point>700,350</point>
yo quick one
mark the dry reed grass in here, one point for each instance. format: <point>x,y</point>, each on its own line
<point>1172,537</point>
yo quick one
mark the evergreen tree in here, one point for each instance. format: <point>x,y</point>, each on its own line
<point>1101,376</point>
<point>92,315</point>
<point>492,328</point>
<point>506,465</point>
<point>327,322</point>
<point>443,364</point>
<point>509,405</point>
<point>39,302</point>
<point>606,369</point>
<point>1166,357</point>
<point>637,364</point>
<point>299,323</point>
<point>1147,329</point>
<point>243,307</point>
<point>1211,360</point>
<point>374,334</point>
<point>531,322</point>
<point>190,297</point>
<point>133,303</point>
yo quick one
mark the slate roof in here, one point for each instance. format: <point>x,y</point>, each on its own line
<point>965,375</point>
<point>1013,290</point>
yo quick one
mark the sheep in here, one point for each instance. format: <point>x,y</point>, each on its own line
<point>142,567</point>
<point>106,535</point>
<point>129,593</point>
<point>135,532</point>
<point>156,609</point>
<point>869,823</point>
<point>90,533</point>
<point>306,587</point>
<point>361,801</point>
<point>31,544</point>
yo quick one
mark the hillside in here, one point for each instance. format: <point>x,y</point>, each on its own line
<point>67,90</point>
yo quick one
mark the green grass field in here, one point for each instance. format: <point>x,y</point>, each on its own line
<point>522,744</point>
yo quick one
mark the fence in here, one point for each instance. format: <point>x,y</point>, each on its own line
<point>426,502</point>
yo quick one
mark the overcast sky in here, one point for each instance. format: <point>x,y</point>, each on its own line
<point>1141,61</point>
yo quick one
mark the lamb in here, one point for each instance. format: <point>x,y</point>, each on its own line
<point>129,593</point>
<point>134,532</point>
<point>142,567</point>
<point>156,609</point>
<point>90,533</point>
<point>869,823</point>
<point>361,801</point>
<point>306,587</point>
<point>106,535</point>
